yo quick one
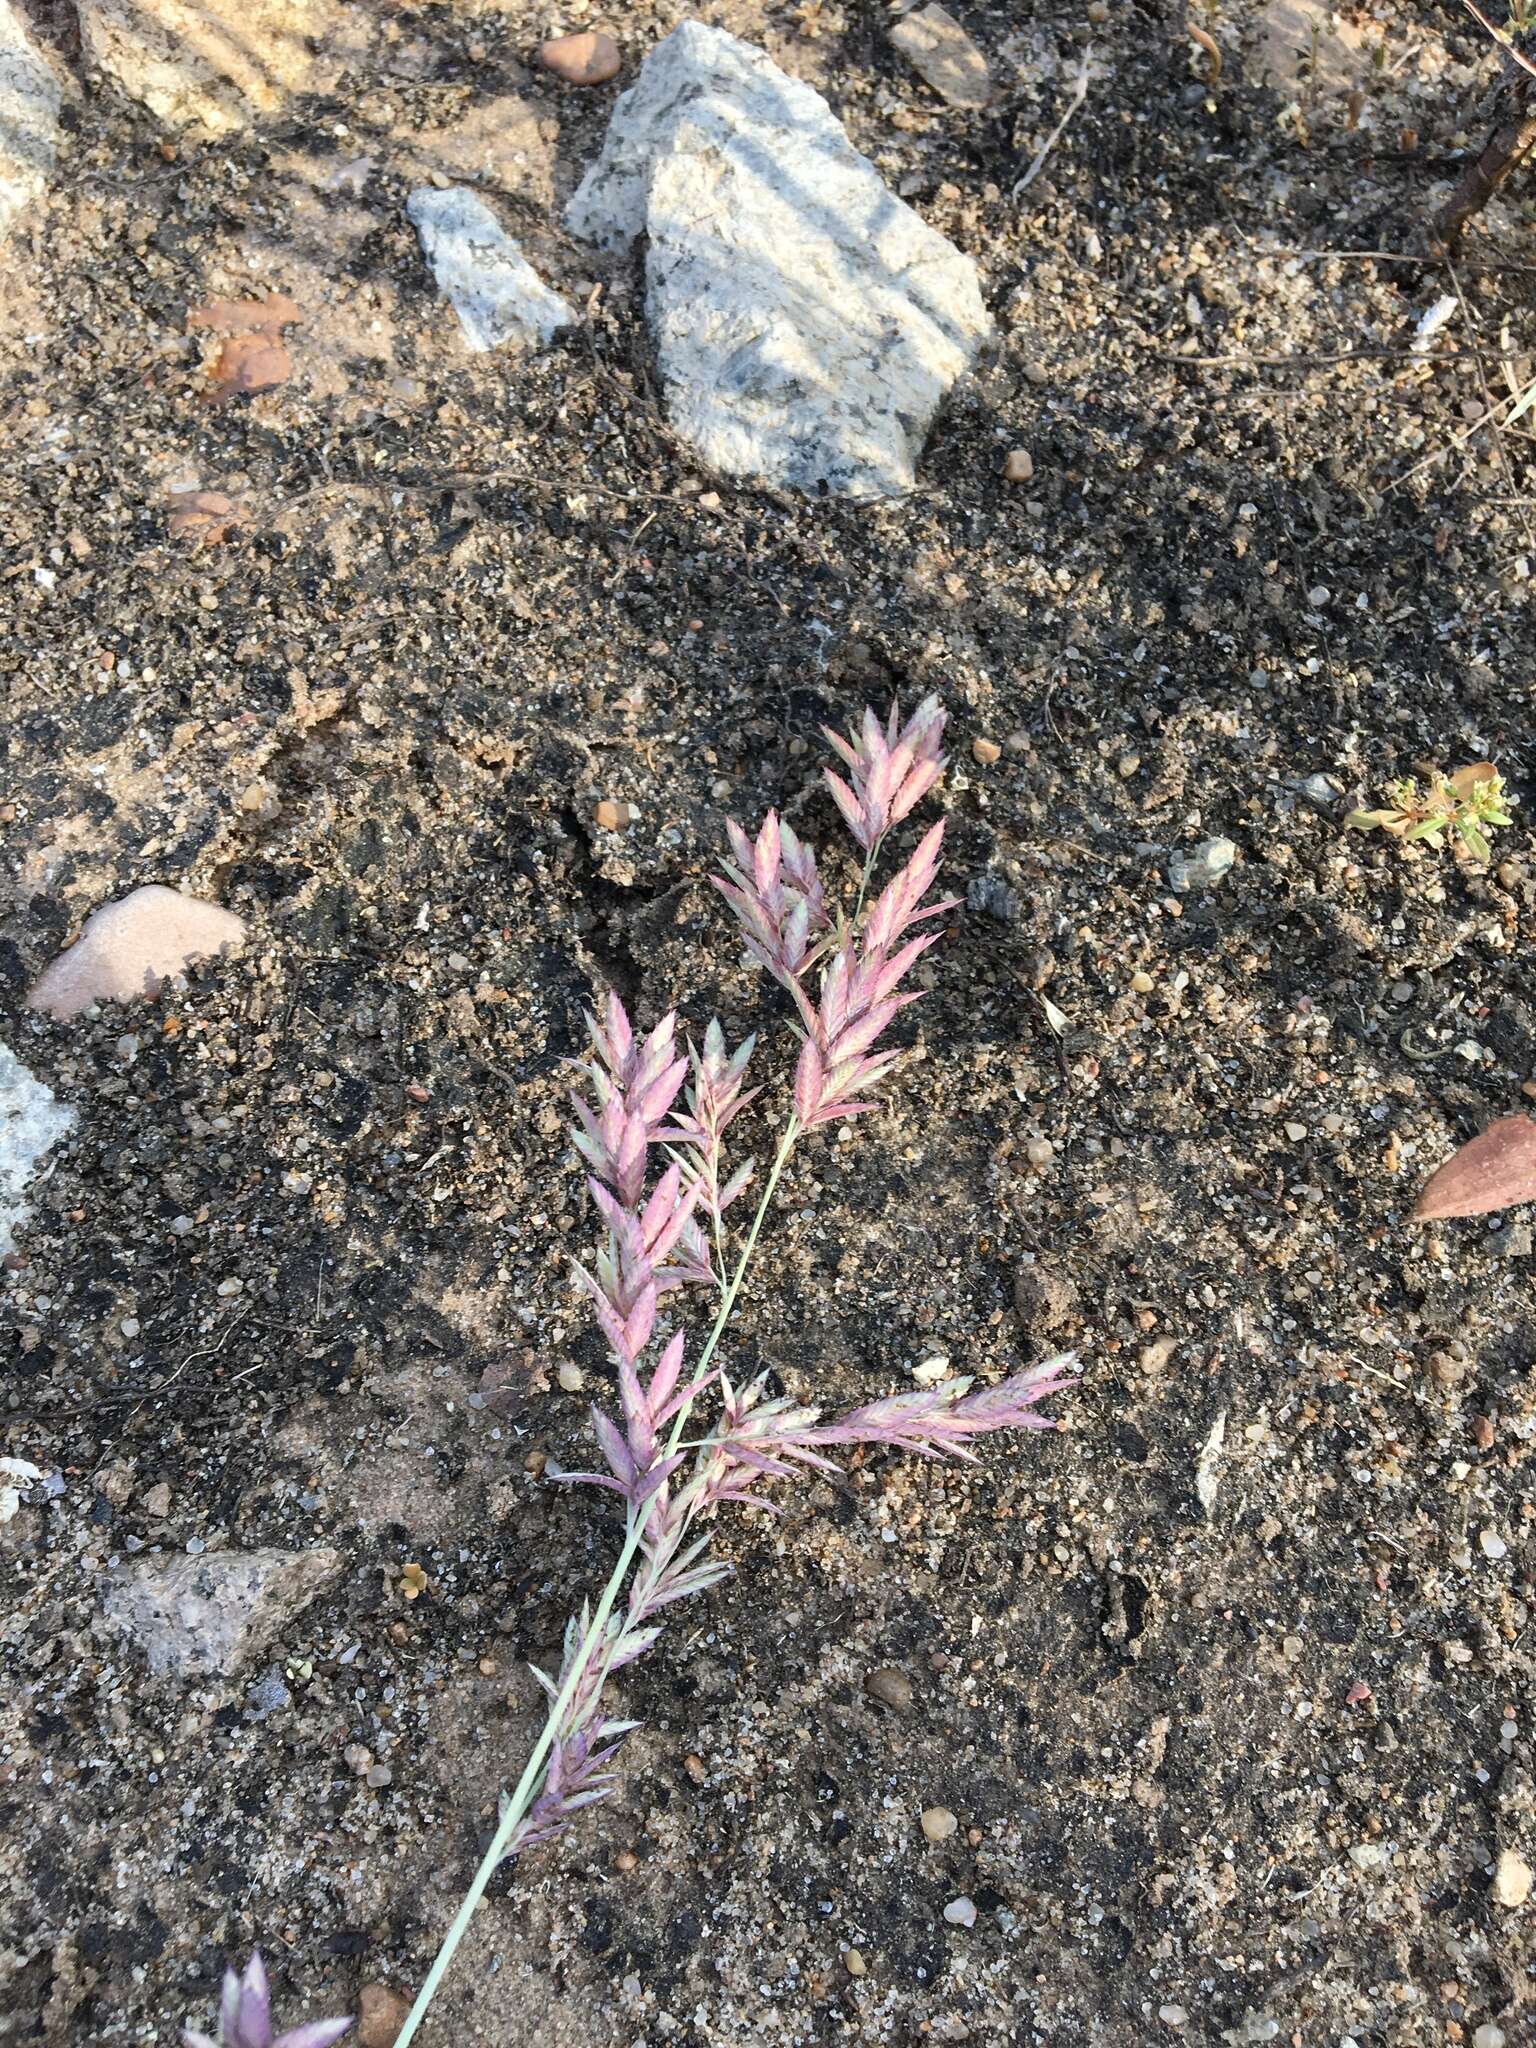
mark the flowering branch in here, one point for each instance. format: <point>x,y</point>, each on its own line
<point>654,1244</point>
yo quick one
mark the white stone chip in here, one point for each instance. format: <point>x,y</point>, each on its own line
<point>495,291</point>
<point>808,324</point>
<point>29,118</point>
<point>31,1120</point>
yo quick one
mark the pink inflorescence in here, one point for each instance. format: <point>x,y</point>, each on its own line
<point>891,769</point>
<point>245,2017</point>
<point>656,1242</point>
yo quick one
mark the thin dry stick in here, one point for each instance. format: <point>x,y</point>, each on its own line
<point>1079,94</point>
<point>1345,355</point>
<point>1505,150</point>
<point>1502,37</point>
<point>1456,441</point>
<point>1482,381</point>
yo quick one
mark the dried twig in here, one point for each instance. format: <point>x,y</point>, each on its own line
<point>1493,409</point>
<point>1079,94</point>
<point>1505,150</point>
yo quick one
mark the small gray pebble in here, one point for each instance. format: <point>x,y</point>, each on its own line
<point>991,896</point>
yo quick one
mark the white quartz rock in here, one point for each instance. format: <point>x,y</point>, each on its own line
<point>808,324</point>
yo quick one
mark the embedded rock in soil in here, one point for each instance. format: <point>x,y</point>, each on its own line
<point>215,65</point>
<point>203,1617</point>
<point>943,56</point>
<point>495,291</point>
<point>30,1121</point>
<point>1202,868</point>
<point>128,948</point>
<point>589,59</point>
<point>807,323</point>
<point>29,118</point>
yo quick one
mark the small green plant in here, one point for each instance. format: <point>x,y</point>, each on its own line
<point>1467,806</point>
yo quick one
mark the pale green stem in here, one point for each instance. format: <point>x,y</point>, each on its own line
<point>522,1796</point>
<point>869,868</point>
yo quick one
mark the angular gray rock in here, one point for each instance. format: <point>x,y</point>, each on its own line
<point>203,1617</point>
<point>943,56</point>
<point>807,323</point>
<point>495,291</point>
<point>29,118</point>
<point>30,1122</point>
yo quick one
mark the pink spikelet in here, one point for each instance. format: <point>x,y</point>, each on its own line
<point>839,1060</point>
<point>715,1100</point>
<point>891,770</point>
<point>245,2017</point>
<point>776,893</point>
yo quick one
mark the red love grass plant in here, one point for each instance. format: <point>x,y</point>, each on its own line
<point>657,1176</point>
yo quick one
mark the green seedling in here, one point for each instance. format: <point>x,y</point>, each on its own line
<point>1465,806</point>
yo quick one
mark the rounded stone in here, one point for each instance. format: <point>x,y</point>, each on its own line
<point>892,1688</point>
<point>588,59</point>
<point>938,1823</point>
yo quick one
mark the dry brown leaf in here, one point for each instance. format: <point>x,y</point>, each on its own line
<point>269,315</point>
<point>1465,780</point>
<point>205,517</point>
<point>1493,1171</point>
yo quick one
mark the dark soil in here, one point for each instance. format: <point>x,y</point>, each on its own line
<point>474,597</point>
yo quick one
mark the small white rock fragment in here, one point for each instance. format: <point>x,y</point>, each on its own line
<point>930,1372</point>
<point>15,1476</point>
<point>1370,1855</point>
<point>1492,1544</point>
<point>571,1377</point>
<point>203,1617</point>
<point>129,948</point>
<point>493,288</point>
<point>1511,1879</point>
<point>943,56</point>
<point>1202,868</point>
<point>1208,1463</point>
<point>938,1823</point>
<point>31,1121</point>
<point>1431,322</point>
<point>1489,2035</point>
<point>29,118</point>
<point>1172,2015</point>
<point>808,323</point>
<point>961,1913</point>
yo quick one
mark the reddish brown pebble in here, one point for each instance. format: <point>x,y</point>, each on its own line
<point>610,816</point>
<point>1494,1171</point>
<point>696,1769</point>
<point>590,59</point>
<point>626,1860</point>
<point>1482,1432</point>
<point>1018,466</point>
<point>381,2014</point>
<point>1358,1693</point>
<point>985,752</point>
